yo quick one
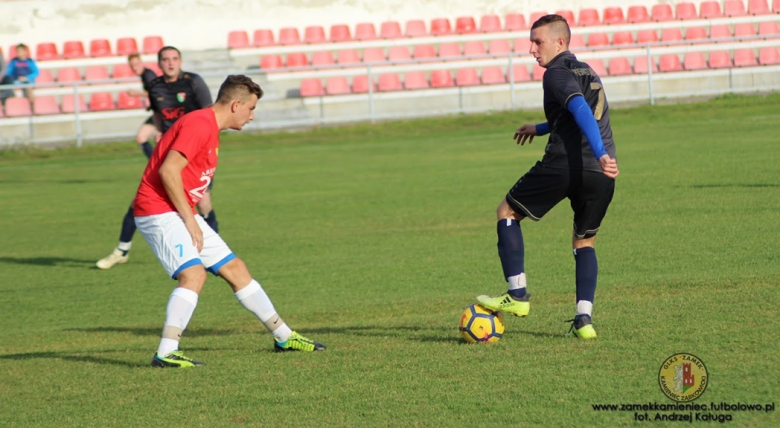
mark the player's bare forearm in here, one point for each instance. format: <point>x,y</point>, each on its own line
<point>170,175</point>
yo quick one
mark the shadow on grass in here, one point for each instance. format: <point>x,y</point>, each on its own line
<point>75,357</point>
<point>49,261</point>
<point>155,331</point>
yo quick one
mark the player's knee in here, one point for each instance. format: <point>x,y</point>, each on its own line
<point>204,205</point>
<point>578,243</point>
<point>504,211</point>
<point>192,278</point>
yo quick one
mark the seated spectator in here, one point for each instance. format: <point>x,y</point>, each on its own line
<point>22,70</point>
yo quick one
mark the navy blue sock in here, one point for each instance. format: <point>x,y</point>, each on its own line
<point>128,227</point>
<point>511,251</point>
<point>587,273</point>
<point>147,149</point>
<point>211,220</point>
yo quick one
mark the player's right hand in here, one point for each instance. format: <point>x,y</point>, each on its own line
<point>609,166</point>
<point>195,232</point>
<point>525,133</point>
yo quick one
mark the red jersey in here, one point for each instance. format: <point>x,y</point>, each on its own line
<point>196,136</point>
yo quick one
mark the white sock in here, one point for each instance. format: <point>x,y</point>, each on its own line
<point>584,307</point>
<point>254,299</point>
<point>124,246</point>
<point>181,306</point>
<point>516,282</point>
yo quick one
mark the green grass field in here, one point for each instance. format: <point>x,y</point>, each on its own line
<point>373,239</point>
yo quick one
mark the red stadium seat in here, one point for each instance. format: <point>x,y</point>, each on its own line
<point>637,14</point>
<point>465,25</point>
<point>154,67</point>
<point>536,15</point>
<point>523,45</point>
<point>449,50</point>
<point>519,74</point>
<point>338,85</point>
<point>340,33</point>
<point>669,62</point>
<point>695,33</point>
<point>492,76</point>
<point>312,88</point>
<point>758,7</point>
<point>365,31</point>
<point>768,29</point>
<point>415,28</point>
<point>745,58</point>
<point>720,59</point>
<point>709,9</point>
<point>152,44</point>
<point>270,62</point>
<point>289,36</point>
<point>100,47</point>
<point>441,79</point>
<point>96,72</point>
<point>424,51</point>
<point>694,61</point>
<point>686,10</point>
<point>473,48</point>
<point>399,53</point>
<point>68,74</point>
<point>73,49</point>
<point>46,105</point>
<point>101,101</point>
<point>360,85</point>
<point>17,107</point>
<point>568,15</point>
<point>538,73</point>
<point>314,34</point>
<point>768,56</point>
<point>390,30</point>
<point>622,38</point>
<point>613,15</point>
<point>598,66</point>
<point>720,32</point>
<point>297,59</point>
<point>126,46</point>
<point>661,12</point>
<point>490,24</point>
<point>671,35</point>
<point>776,6</point>
<point>348,57</point>
<point>46,51</point>
<point>466,77</point>
<point>415,80</point>
<point>321,58</point>
<point>374,55</point>
<point>744,30</point>
<point>514,22</point>
<point>238,39</point>
<point>598,39</point>
<point>440,26</point>
<point>619,66</point>
<point>389,82</point>
<point>263,37</point>
<point>589,16</point>
<point>69,104</point>
<point>576,42</point>
<point>45,76</point>
<point>122,71</point>
<point>734,8</point>
<point>646,36</point>
<point>126,102</point>
<point>499,46</point>
<point>640,65</point>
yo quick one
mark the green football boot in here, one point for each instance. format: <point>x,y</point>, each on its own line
<point>507,304</point>
<point>296,342</point>
<point>582,327</point>
<point>175,359</point>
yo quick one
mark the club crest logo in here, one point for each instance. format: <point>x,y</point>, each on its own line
<point>683,377</point>
<point>181,96</point>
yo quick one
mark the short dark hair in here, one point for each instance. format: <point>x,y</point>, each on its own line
<point>23,46</point>
<point>558,23</point>
<point>133,56</point>
<point>238,87</point>
<point>166,48</point>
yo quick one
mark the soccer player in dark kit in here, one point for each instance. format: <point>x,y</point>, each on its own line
<point>579,164</point>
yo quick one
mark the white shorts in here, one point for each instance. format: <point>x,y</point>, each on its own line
<point>172,243</point>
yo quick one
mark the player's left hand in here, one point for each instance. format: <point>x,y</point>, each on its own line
<point>525,133</point>
<point>609,166</point>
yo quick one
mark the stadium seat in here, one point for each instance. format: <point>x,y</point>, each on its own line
<point>69,104</point>
<point>449,50</point>
<point>424,51</point>
<point>536,15</point>
<point>473,48</point>
<point>297,59</point>
<point>374,55</point>
<point>720,32</point>
<point>640,65</point>
<point>695,33</point>
<point>321,58</point>
<point>734,8</point>
<point>365,31</point>
<point>68,74</point>
<point>589,16</point>
<point>389,82</point>
<point>126,46</point>
<point>126,102</point>
<point>758,7</point>
<point>613,15</point>
<point>312,88</point>
<point>268,62</point>
<point>768,56</point>
<point>289,36</point>
<point>96,72</point>
<point>622,38</point>
<point>720,59</point>
<point>568,15</point>
<point>671,35</point>
<point>489,24</point>
<point>619,66</point>
<point>523,45</point>
<point>466,77</point>
<point>598,39</point>
<point>390,30</point>
<point>440,26</point>
<point>499,46</point>
<point>598,66</point>
<point>514,22</point>
<point>669,62</point>
<point>661,12</point>
<point>519,73</point>
<point>122,71</point>
<point>337,85</point>
<point>441,79</point>
<point>492,76</point>
<point>415,28</point>
<point>694,61</point>
<point>17,107</point>
<point>744,30</point>
<point>314,34</point>
<point>340,33</point>
<point>768,28</point>
<point>46,105</point>
<point>745,58</point>
<point>465,25</point>
<point>776,6</point>
<point>637,14</point>
<point>152,44</point>
<point>415,80</point>
<point>45,76</point>
<point>73,49</point>
<point>399,53</point>
<point>576,42</point>
<point>238,39</point>
<point>100,47</point>
<point>538,73</point>
<point>646,36</point>
<point>101,101</point>
<point>263,37</point>
<point>348,57</point>
<point>709,9</point>
<point>154,67</point>
<point>46,51</point>
<point>686,10</point>
<point>360,85</point>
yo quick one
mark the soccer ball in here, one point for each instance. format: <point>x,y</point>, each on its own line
<point>480,325</point>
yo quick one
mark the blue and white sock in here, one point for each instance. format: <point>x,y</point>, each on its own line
<point>511,251</point>
<point>587,271</point>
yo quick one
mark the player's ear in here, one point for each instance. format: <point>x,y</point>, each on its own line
<point>234,105</point>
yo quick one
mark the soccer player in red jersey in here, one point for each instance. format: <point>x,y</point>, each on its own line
<point>179,171</point>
